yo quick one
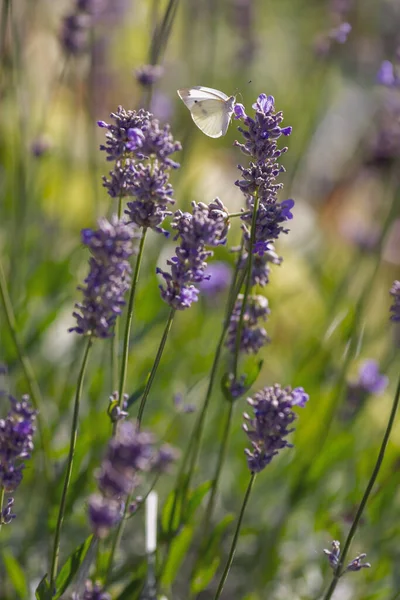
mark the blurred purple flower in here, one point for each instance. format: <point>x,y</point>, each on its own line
<point>340,33</point>
<point>253,337</point>
<point>369,378</point>
<point>130,453</point>
<point>385,75</point>
<point>369,381</point>
<point>93,591</point>
<point>273,416</point>
<point>40,146</point>
<point>395,308</point>
<point>217,277</point>
<point>108,280</point>
<point>148,75</point>
<point>205,226</point>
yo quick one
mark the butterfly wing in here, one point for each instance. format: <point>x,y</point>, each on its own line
<point>211,116</point>
<point>191,96</point>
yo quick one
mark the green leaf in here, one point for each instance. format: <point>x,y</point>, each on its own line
<point>170,517</point>
<point>43,589</point>
<point>72,565</point>
<point>134,397</point>
<point>15,574</point>
<point>204,574</point>
<point>132,590</point>
<point>176,555</point>
<point>195,499</point>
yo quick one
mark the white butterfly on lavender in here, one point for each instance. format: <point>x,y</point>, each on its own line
<point>211,110</point>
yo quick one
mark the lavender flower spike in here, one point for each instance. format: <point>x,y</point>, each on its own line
<point>395,308</point>
<point>205,226</point>
<point>16,445</point>
<point>129,454</point>
<point>273,416</point>
<point>108,280</point>
<point>253,336</point>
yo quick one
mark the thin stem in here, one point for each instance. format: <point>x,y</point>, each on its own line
<point>33,386</point>
<point>129,316</point>
<point>199,427</point>
<point>221,459</point>
<point>339,569</point>
<point>235,538</point>
<point>117,538</point>
<point>247,287</point>
<point>239,214</point>
<point>154,367</point>
<point>72,445</point>
<point>2,495</point>
<point>115,338</point>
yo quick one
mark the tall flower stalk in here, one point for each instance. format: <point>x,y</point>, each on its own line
<point>266,430</point>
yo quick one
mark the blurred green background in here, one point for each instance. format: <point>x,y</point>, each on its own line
<point>329,299</point>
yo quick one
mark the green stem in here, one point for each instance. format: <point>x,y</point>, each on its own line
<point>235,538</point>
<point>239,214</point>
<point>221,459</point>
<point>115,338</point>
<point>247,287</point>
<point>70,460</point>
<point>33,386</point>
<point>128,325</point>
<point>340,568</point>
<point>2,495</point>
<point>199,427</point>
<point>117,539</point>
<point>154,367</point>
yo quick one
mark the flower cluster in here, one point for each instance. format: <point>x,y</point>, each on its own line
<point>334,559</point>
<point>204,226</point>
<point>273,416</point>
<point>253,337</point>
<point>259,178</point>
<point>395,308</point>
<point>111,245</point>
<point>16,445</point>
<point>129,454</point>
<point>141,150</point>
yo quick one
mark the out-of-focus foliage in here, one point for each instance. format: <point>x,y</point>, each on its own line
<point>329,299</point>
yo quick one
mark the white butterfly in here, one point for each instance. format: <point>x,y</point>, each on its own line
<point>211,109</point>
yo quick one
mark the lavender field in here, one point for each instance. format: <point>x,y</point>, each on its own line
<point>199,317</point>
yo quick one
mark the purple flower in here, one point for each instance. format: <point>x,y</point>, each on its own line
<point>369,378</point>
<point>258,179</point>
<point>273,417</point>
<point>369,381</point>
<point>253,336</point>
<point>386,75</point>
<point>334,559</point>
<point>122,137</point>
<point>7,515</point>
<point>104,514</point>
<point>16,445</point>
<point>217,278</point>
<point>340,33</point>
<point>205,226</point>
<point>152,194</point>
<point>108,280</point>
<point>129,454</point>
<point>395,308</point>
<point>94,591</point>
<point>74,35</point>
<point>260,264</point>
<point>148,75</point>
